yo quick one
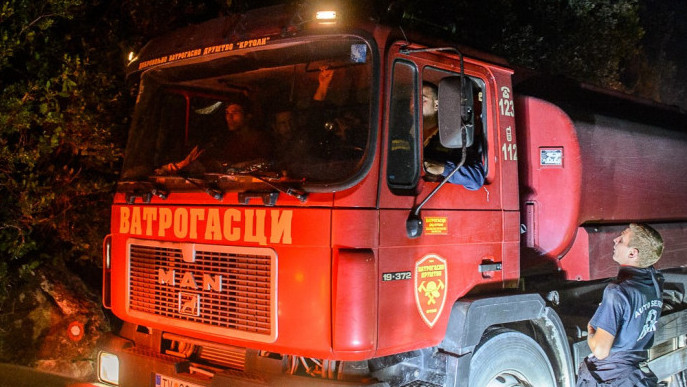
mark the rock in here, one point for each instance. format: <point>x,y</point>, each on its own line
<point>55,326</point>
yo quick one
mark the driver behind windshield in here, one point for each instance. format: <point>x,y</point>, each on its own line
<point>239,142</point>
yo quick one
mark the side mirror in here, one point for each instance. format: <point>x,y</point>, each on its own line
<point>455,112</point>
<point>413,226</point>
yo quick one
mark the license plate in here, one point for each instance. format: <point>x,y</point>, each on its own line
<point>166,381</point>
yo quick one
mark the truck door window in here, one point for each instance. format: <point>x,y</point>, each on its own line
<point>435,155</point>
<point>403,155</point>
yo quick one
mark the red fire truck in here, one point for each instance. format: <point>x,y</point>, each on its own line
<point>274,224</point>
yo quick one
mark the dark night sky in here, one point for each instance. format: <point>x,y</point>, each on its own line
<point>665,42</point>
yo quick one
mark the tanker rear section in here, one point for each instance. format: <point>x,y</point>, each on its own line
<point>585,173</point>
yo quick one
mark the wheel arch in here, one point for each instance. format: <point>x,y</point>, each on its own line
<point>472,320</point>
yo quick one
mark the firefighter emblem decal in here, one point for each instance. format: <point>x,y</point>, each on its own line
<point>430,287</point>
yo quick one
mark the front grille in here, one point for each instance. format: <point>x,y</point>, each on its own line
<point>209,352</point>
<point>216,286</point>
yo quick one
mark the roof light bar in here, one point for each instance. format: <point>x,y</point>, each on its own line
<point>326,15</point>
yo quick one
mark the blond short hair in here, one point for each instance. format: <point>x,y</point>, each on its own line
<point>648,242</point>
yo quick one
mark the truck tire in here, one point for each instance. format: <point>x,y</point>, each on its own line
<point>508,358</point>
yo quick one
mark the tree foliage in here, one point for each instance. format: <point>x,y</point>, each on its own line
<point>589,40</point>
<point>60,112</point>
<point>660,73</point>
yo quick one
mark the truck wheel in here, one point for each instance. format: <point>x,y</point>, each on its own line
<point>507,358</point>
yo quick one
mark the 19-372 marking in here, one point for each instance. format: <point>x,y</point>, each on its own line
<point>396,276</point>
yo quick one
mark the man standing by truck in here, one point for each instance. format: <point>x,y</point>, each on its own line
<point>623,326</point>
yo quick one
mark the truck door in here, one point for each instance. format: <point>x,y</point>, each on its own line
<point>460,248</point>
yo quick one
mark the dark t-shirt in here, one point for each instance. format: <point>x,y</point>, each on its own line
<point>229,148</point>
<point>629,310</point>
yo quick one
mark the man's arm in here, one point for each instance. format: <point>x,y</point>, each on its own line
<point>469,176</point>
<point>599,341</point>
<point>324,80</point>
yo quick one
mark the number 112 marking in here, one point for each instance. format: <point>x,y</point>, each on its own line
<point>510,152</point>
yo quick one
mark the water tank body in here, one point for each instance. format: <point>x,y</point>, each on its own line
<point>585,172</point>
<point>550,172</point>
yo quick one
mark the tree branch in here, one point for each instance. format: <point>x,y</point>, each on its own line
<point>36,20</point>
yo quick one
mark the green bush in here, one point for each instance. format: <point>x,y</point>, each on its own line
<point>59,102</point>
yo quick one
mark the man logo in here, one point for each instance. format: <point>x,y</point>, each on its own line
<point>189,304</point>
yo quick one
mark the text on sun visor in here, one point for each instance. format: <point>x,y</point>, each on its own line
<point>204,51</point>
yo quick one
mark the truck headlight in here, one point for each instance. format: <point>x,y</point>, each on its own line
<point>108,368</point>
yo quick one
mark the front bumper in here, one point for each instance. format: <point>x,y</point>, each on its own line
<point>140,366</point>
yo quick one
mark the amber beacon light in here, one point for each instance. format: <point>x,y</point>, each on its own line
<point>326,16</point>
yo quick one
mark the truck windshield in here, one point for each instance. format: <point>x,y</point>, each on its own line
<point>298,111</point>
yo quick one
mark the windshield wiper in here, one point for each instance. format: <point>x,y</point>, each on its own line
<point>203,184</point>
<point>260,170</point>
<point>145,190</point>
<point>297,193</point>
